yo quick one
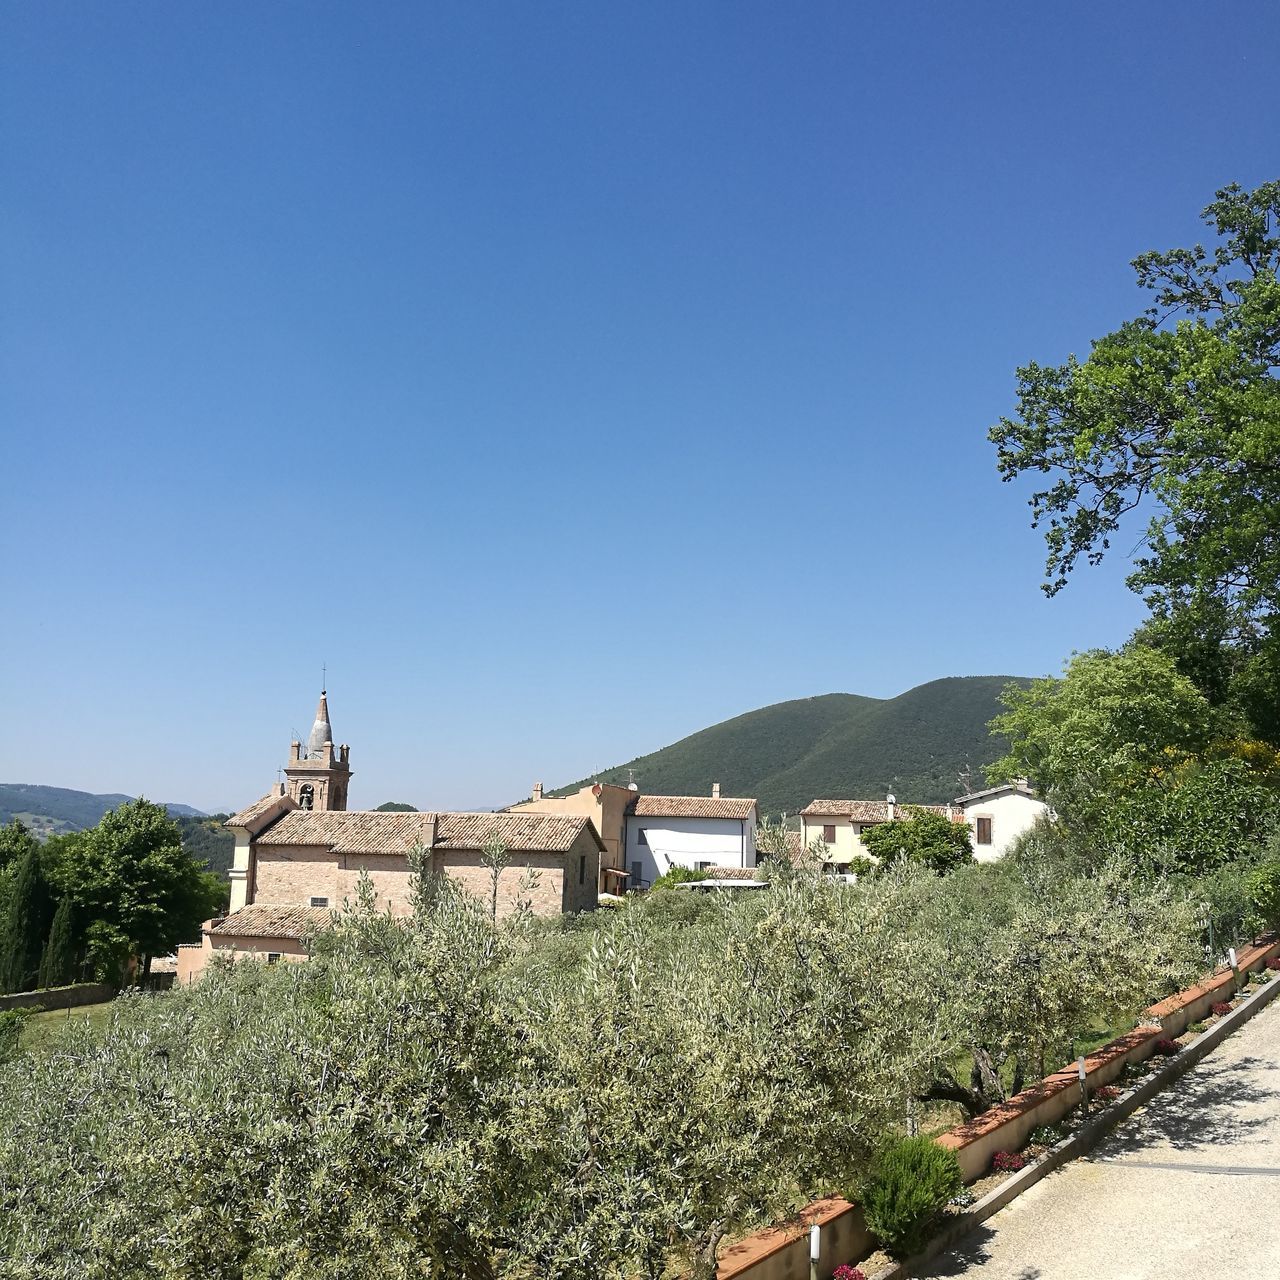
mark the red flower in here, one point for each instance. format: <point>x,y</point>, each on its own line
<point>1008,1161</point>
<point>1221,1009</point>
<point>1273,962</point>
<point>846,1272</point>
<point>1168,1047</point>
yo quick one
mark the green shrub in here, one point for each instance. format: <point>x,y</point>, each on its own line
<point>678,875</point>
<point>11,1024</point>
<point>910,1184</point>
<point>860,865</point>
<point>1264,892</point>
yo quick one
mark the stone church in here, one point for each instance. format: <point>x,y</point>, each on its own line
<point>299,854</point>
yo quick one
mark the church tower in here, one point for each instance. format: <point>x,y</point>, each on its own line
<point>317,777</point>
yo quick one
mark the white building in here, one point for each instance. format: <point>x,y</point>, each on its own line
<point>696,832</point>
<point>999,815</point>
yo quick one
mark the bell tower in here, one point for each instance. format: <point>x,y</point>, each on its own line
<point>317,776</point>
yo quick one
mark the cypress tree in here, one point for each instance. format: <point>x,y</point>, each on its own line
<point>58,967</point>
<point>22,932</point>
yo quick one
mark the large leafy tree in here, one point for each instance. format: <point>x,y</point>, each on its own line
<point>15,843</point>
<point>1176,416</point>
<point>930,839</point>
<point>139,890</point>
<point>1113,722</point>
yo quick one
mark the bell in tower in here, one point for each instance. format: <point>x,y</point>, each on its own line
<point>317,777</point>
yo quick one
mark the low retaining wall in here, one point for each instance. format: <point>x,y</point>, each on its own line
<point>59,997</point>
<point>782,1252</point>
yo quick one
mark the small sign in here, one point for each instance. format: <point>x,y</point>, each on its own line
<point>1231,955</point>
<point>815,1242</point>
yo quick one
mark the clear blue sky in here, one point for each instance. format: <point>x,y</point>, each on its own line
<point>566,377</point>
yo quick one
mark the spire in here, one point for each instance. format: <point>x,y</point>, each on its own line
<point>321,731</point>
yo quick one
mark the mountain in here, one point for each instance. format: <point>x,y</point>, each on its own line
<point>53,811</point>
<point>838,745</point>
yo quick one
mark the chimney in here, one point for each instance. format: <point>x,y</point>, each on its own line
<point>890,801</point>
<point>537,791</point>
<point>715,791</point>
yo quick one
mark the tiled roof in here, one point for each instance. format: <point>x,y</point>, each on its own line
<point>248,815</point>
<point>693,807</point>
<point>1019,788</point>
<point>526,832</point>
<point>792,850</point>
<point>260,920</point>
<point>862,810</point>
<point>729,873</point>
<point>362,832</point>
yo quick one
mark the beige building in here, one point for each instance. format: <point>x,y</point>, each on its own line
<point>607,806</point>
<point>839,824</point>
<point>299,855</point>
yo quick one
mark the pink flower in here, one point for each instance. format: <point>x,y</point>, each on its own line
<point>846,1272</point>
<point>1008,1161</point>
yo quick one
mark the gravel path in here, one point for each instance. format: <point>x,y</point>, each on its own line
<point>1187,1186</point>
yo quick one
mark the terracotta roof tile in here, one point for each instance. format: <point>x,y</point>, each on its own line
<point>861,810</point>
<point>362,832</point>
<point>693,807</point>
<point>261,920</point>
<point>251,813</point>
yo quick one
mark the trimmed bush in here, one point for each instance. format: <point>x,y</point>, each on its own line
<point>910,1184</point>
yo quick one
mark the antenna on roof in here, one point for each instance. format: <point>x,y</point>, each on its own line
<point>324,677</point>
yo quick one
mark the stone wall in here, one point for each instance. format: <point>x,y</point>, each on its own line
<point>296,874</point>
<point>59,997</point>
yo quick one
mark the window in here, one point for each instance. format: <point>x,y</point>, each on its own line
<point>307,796</point>
<point>273,957</point>
<point>829,833</point>
<point>319,902</point>
<point>636,876</point>
<point>582,868</point>
<point>983,826</point>
<point>642,837</point>
<point>702,866</point>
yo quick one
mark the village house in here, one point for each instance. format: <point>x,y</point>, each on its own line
<point>694,832</point>
<point>999,815</point>
<point>996,818</point>
<point>299,854</point>
<point>839,824</point>
<point>647,835</point>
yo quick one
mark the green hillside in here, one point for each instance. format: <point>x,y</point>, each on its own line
<point>57,811</point>
<point>837,745</point>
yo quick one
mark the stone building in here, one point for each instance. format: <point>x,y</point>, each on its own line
<point>299,853</point>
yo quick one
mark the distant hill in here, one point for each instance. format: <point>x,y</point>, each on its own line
<point>53,811</point>
<point>838,745</point>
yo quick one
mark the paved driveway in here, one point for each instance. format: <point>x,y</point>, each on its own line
<point>1187,1186</point>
